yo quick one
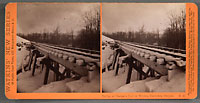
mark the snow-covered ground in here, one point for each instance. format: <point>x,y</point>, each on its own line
<point>26,83</point>
<point>105,38</point>
<point>110,82</point>
<point>107,52</point>
<point>21,52</point>
<point>176,84</point>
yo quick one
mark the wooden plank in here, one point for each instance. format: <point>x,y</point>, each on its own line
<point>56,67</point>
<point>114,60</point>
<point>30,60</point>
<point>116,66</point>
<point>129,61</point>
<point>46,76</point>
<point>34,64</point>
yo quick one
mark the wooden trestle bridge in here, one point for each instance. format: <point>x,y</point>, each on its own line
<point>79,61</point>
<point>160,61</point>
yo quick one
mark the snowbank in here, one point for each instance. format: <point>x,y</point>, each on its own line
<point>110,82</point>
<point>55,87</point>
<point>104,39</point>
<point>106,59</point>
<point>26,83</point>
<point>83,85</point>
<point>176,84</point>
<point>136,86</point>
<point>21,52</point>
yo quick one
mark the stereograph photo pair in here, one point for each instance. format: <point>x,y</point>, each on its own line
<point>101,50</point>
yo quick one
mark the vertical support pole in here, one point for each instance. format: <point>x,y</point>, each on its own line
<point>36,54</point>
<point>68,72</point>
<point>30,60</point>
<point>140,65</point>
<point>35,60</point>
<point>114,60</point>
<point>42,66</point>
<point>152,73</point>
<point>56,67</point>
<point>136,66</point>
<point>116,67</point>
<point>130,64</point>
<point>148,71</point>
<point>47,63</point>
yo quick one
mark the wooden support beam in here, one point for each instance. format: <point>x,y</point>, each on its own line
<point>55,70</point>
<point>152,73</point>
<point>114,60</point>
<point>161,69</point>
<point>36,54</point>
<point>148,71</point>
<point>116,66</point>
<point>34,63</point>
<point>56,67</point>
<point>139,67</point>
<point>30,60</point>
<point>46,76</point>
<point>81,70</point>
<point>68,72</point>
<point>42,66</point>
<point>129,61</point>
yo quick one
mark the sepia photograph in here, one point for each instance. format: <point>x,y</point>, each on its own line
<point>143,47</point>
<point>58,47</point>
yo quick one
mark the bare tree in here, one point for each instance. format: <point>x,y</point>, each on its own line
<point>89,37</point>
<point>174,35</point>
<point>91,19</point>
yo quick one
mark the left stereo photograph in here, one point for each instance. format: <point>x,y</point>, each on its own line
<point>58,48</point>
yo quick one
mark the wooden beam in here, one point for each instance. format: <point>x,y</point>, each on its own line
<point>161,69</point>
<point>81,70</point>
<point>34,63</point>
<point>30,60</point>
<point>46,76</point>
<point>129,61</point>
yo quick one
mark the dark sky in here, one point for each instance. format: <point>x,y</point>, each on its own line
<point>46,17</point>
<point>131,16</point>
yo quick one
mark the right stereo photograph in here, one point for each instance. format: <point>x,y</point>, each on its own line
<point>143,47</point>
